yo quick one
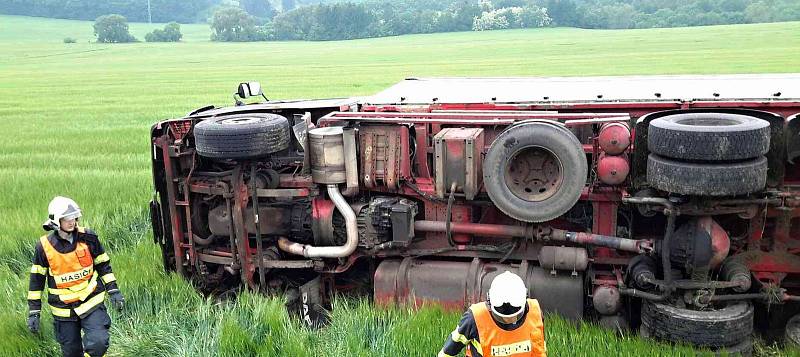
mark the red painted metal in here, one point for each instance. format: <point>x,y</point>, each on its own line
<point>720,243</point>
<point>604,222</point>
<point>169,175</point>
<point>478,229</point>
<point>601,194</point>
<point>385,155</point>
<point>179,128</point>
<point>612,170</point>
<point>614,138</point>
<point>240,198</point>
<point>458,270</point>
<point>421,148</point>
<point>289,180</point>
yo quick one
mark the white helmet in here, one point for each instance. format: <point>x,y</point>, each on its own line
<point>507,295</point>
<point>61,208</point>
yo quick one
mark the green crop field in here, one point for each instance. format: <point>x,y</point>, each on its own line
<point>75,121</point>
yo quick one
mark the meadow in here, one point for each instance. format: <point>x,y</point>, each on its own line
<point>76,117</point>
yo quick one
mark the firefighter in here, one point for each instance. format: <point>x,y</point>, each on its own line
<point>507,324</point>
<point>77,271</point>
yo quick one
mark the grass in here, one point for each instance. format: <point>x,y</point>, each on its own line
<point>75,122</point>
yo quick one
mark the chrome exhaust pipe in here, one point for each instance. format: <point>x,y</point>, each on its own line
<point>310,251</point>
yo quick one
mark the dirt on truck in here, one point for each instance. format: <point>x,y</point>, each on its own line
<point>668,205</point>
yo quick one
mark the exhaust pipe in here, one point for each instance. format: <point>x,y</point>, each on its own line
<point>310,251</point>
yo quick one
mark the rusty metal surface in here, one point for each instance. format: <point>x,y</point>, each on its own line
<point>283,192</point>
<point>458,159</point>
<point>385,156</point>
<point>271,220</point>
<point>606,300</point>
<point>244,253</point>
<point>177,231</point>
<point>534,174</point>
<point>214,259</point>
<point>289,264</point>
<point>455,285</point>
<point>478,229</point>
<point>401,143</point>
<point>571,259</point>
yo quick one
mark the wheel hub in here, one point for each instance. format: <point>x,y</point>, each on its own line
<point>534,174</point>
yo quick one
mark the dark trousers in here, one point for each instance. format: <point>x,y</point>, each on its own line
<point>95,334</point>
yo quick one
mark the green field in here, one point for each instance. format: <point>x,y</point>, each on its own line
<point>76,120</point>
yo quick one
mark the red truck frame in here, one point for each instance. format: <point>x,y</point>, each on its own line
<point>397,199</point>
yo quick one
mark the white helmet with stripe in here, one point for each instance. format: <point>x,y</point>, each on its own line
<point>61,208</point>
<point>507,295</point>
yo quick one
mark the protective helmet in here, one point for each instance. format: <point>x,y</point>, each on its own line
<point>61,208</point>
<point>507,295</point>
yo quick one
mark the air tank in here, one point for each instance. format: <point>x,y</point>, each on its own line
<point>614,138</point>
<point>612,170</point>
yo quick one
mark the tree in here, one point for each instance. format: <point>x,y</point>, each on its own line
<point>533,16</point>
<point>170,33</point>
<point>232,24</point>
<point>288,5</point>
<point>112,29</point>
<point>183,11</point>
<point>258,8</point>
<point>563,12</point>
<point>491,20</point>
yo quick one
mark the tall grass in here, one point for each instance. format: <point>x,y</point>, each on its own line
<point>76,117</point>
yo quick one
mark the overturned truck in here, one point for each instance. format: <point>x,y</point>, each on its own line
<point>667,204</point>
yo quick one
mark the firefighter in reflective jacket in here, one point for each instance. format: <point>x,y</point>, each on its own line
<point>77,271</point>
<point>507,324</point>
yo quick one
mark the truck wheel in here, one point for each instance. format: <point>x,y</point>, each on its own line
<point>708,136</point>
<point>242,136</point>
<point>720,179</point>
<point>722,328</point>
<point>792,332</point>
<point>535,172</point>
<point>744,348</point>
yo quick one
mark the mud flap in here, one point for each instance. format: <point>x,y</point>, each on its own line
<point>308,303</point>
<point>155,221</point>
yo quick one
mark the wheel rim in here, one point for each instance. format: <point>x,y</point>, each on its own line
<point>534,173</point>
<point>238,121</point>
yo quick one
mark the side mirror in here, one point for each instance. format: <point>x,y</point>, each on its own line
<point>249,89</point>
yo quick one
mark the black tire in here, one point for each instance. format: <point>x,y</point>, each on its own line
<point>744,348</point>
<point>242,136</point>
<point>725,327</point>
<point>791,332</point>
<point>720,179</point>
<point>567,156</point>
<point>708,136</point>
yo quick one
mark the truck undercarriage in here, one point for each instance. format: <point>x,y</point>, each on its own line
<point>615,199</point>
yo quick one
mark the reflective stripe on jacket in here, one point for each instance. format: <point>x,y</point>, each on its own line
<point>525,340</point>
<point>76,274</point>
<point>73,272</point>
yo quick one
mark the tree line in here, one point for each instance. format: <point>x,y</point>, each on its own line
<point>262,20</point>
<point>183,11</point>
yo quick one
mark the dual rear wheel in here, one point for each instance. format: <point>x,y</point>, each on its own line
<point>708,154</point>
